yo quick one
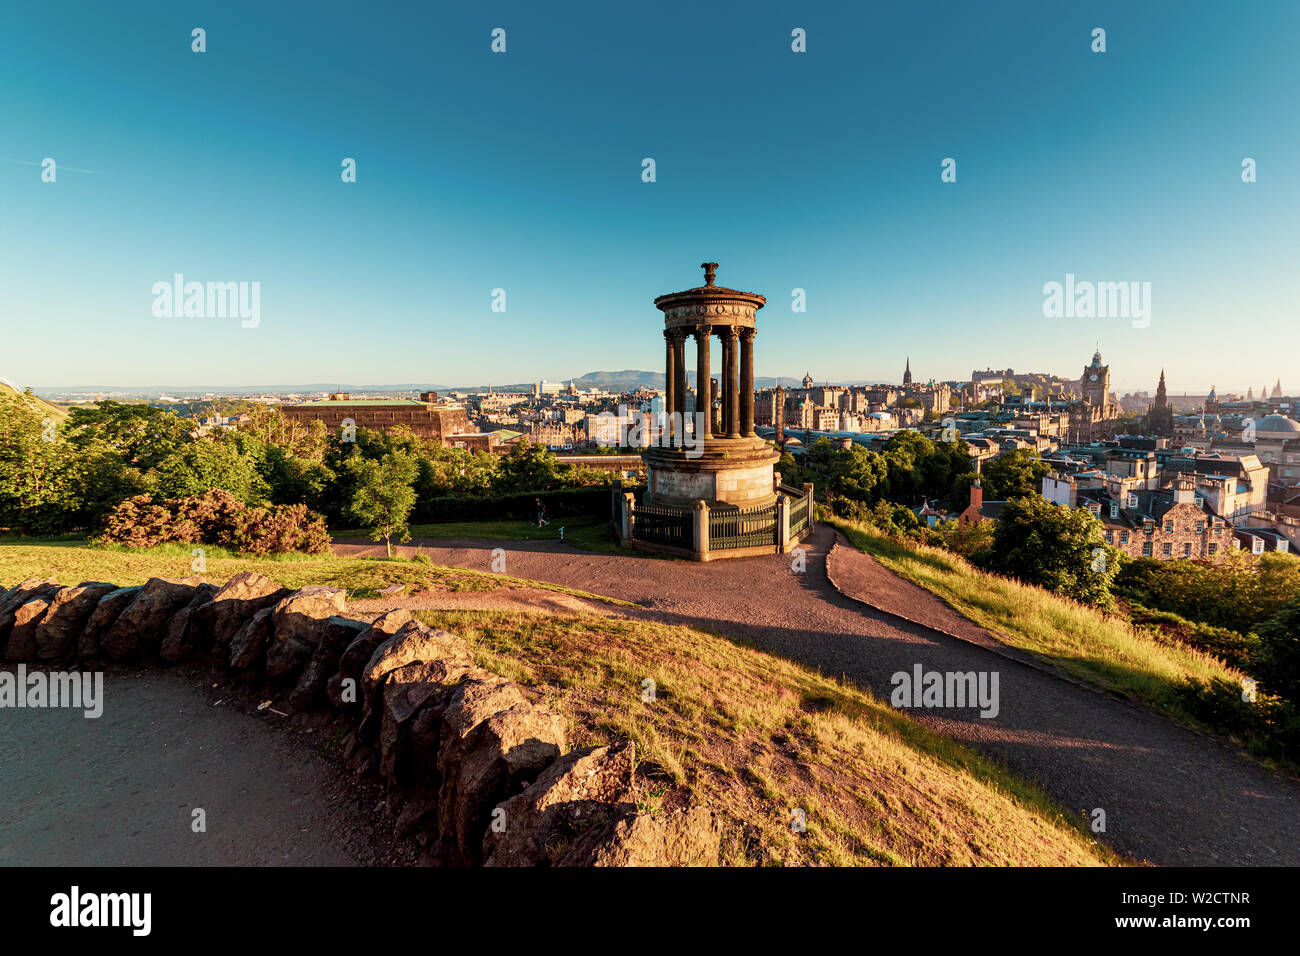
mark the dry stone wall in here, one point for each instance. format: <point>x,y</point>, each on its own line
<point>475,772</point>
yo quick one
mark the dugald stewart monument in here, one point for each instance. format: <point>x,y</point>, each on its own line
<point>718,495</point>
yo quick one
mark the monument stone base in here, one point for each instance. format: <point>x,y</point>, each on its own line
<point>729,472</point>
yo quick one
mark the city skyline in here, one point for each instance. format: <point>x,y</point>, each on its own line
<point>766,381</point>
<point>468,180</point>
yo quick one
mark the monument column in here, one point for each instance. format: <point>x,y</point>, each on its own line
<point>703,399</point>
<point>747,382</point>
<point>731,404</point>
<point>679,389</point>
<point>670,377</point>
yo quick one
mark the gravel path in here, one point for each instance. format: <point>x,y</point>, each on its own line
<point>1171,796</point>
<point>120,790</point>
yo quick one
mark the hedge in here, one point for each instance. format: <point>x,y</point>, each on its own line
<point>568,502</point>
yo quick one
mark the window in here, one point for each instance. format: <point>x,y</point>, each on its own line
<point>1114,509</point>
<point>1148,528</point>
<point>1146,549</point>
<point>1167,549</point>
<point>1200,527</point>
<point>1169,526</point>
<point>1258,546</point>
<point>1187,550</point>
<point>1132,501</point>
<point>1214,548</point>
<point>1110,537</point>
<point>1123,537</point>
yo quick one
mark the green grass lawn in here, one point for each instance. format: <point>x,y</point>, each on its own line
<point>1102,649</point>
<point>755,737</point>
<point>584,532</point>
<point>72,562</point>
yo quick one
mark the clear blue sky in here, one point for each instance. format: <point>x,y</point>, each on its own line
<point>523,171</point>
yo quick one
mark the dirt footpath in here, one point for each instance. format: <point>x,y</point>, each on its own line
<point>120,790</point>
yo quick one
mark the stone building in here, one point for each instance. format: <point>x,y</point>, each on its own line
<point>1166,523</point>
<point>426,418</point>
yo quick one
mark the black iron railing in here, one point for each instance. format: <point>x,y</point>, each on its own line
<point>798,515</point>
<point>742,527</point>
<point>663,525</point>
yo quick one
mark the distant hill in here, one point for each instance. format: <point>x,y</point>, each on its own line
<point>629,379</point>
<point>622,380</point>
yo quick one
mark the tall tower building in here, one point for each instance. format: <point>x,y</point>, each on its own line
<point>1160,417</point>
<point>1095,384</point>
<point>907,372</point>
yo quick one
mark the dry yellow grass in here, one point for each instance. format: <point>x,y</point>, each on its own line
<point>72,562</point>
<point>1090,644</point>
<point>757,737</point>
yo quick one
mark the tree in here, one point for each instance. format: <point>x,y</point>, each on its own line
<point>145,435</point>
<point>99,478</point>
<point>1015,474</point>
<point>1277,661</point>
<point>383,496</point>
<point>858,474</point>
<point>457,471</point>
<point>1058,549</point>
<point>269,425</point>
<point>530,466</point>
<point>204,465</point>
<point>34,469</point>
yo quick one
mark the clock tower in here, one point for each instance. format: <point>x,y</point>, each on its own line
<point>1095,385</point>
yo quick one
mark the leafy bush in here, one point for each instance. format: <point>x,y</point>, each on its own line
<point>1240,592</point>
<point>1277,662</point>
<point>1232,647</point>
<point>1269,725</point>
<point>563,503</point>
<point>216,518</point>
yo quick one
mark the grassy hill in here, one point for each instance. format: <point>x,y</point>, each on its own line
<point>39,405</point>
<point>1102,649</point>
<point>754,736</point>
